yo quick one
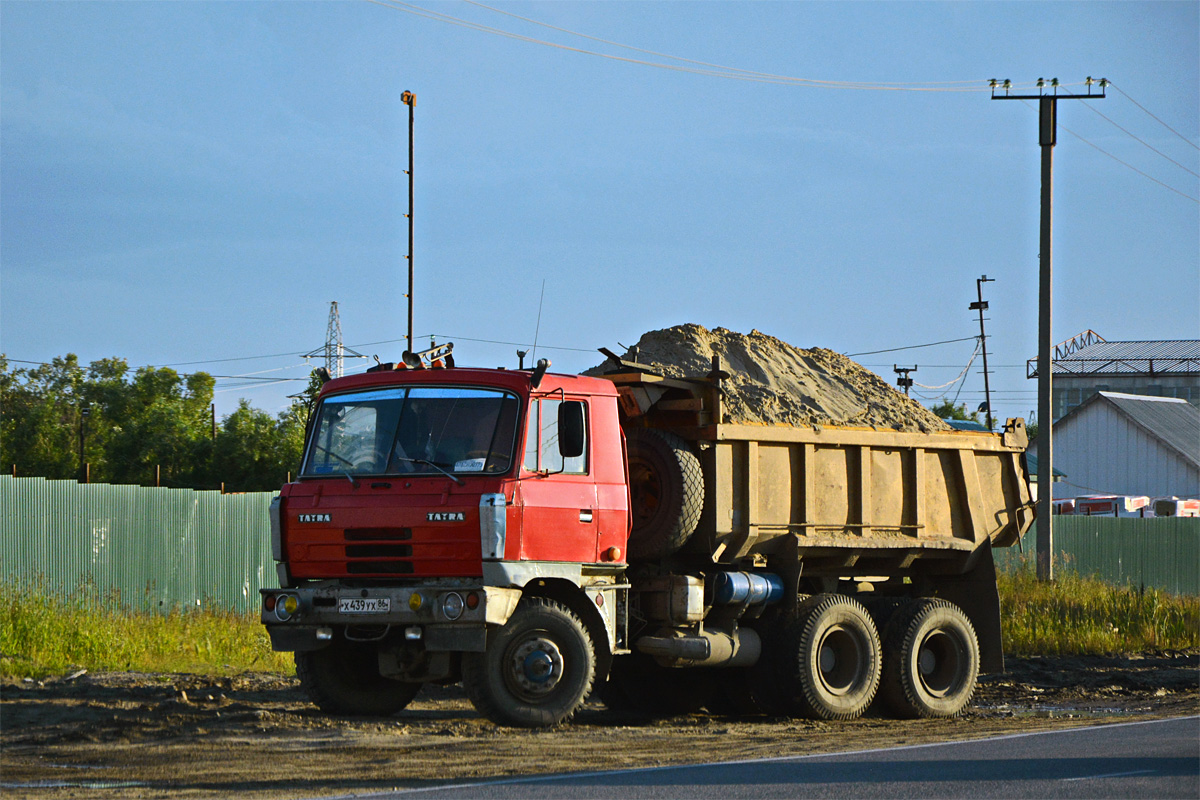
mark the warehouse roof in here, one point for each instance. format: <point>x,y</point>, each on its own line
<point>1179,356</point>
<point>1173,422</point>
<point>1089,353</point>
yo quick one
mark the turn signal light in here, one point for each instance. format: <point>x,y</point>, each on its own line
<point>415,601</point>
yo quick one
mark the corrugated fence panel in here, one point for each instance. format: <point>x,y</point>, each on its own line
<point>1162,552</point>
<point>155,548</point>
<point>172,548</point>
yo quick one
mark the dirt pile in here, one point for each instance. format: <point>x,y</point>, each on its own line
<point>773,383</point>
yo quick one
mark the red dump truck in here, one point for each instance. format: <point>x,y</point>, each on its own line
<point>539,537</point>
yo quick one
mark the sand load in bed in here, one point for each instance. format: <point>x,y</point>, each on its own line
<point>772,382</point>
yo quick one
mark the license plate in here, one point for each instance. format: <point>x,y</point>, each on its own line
<point>363,605</point>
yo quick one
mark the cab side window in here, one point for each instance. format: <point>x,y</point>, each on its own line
<point>541,442</point>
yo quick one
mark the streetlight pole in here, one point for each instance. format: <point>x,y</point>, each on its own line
<point>409,99</point>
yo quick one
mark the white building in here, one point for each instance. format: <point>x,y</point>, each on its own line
<point>1128,444</point>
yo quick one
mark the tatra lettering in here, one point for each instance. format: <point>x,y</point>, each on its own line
<point>446,516</point>
<point>316,518</point>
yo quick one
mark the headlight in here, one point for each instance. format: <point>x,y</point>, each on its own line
<point>452,606</point>
<point>285,606</point>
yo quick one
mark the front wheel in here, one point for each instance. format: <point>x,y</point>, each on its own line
<point>344,678</point>
<point>930,661</point>
<point>536,671</point>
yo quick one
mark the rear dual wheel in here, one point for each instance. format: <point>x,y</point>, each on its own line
<point>833,659</point>
<point>931,661</point>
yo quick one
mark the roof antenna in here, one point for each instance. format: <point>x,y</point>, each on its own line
<point>538,329</point>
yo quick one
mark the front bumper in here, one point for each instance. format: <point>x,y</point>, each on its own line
<point>322,608</point>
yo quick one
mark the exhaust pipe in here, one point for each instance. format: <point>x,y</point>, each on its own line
<point>740,647</point>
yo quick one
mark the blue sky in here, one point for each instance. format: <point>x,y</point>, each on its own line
<point>195,182</point>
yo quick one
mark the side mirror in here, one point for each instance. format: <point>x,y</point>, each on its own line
<point>571,428</point>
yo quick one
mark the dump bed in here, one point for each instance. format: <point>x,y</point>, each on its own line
<point>865,499</point>
<point>845,501</point>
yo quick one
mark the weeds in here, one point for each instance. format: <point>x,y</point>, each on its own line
<point>43,633</point>
<point>1077,615</point>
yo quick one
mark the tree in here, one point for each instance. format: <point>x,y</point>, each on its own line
<point>153,420</point>
<point>40,410</point>
<point>163,429</point>
<point>947,410</point>
<point>254,452</point>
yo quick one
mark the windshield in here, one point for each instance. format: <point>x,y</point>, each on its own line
<point>413,430</point>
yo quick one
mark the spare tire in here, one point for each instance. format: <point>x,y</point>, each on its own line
<point>666,488</point>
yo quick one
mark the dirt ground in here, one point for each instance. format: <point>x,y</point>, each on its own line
<point>118,735</point>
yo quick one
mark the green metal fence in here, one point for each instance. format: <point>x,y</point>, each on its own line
<point>1161,553</point>
<point>177,548</point>
<point>159,548</point>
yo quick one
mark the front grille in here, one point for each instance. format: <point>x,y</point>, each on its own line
<point>378,567</point>
<point>374,534</point>
<point>379,551</point>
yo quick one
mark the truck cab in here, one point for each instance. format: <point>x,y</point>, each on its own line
<point>430,503</point>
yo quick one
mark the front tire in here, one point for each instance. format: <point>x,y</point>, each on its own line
<point>536,671</point>
<point>930,661</point>
<point>833,663</point>
<point>344,678</point>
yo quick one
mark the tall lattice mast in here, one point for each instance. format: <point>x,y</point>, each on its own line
<point>334,352</point>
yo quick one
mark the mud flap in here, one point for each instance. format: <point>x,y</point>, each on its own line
<point>975,593</point>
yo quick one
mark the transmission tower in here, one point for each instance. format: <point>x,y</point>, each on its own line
<point>333,342</point>
<point>334,351</point>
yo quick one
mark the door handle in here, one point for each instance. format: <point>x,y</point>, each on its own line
<point>585,515</point>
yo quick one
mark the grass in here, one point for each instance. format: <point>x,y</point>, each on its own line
<point>42,633</point>
<point>1077,615</point>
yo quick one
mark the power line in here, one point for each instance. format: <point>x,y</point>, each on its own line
<point>1119,161</point>
<point>911,347</point>
<point>1135,138</point>
<point>1156,119</point>
<point>730,73</point>
<point>848,84</point>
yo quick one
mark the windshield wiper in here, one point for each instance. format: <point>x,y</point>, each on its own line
<point>449,475</point>
<point>345,461</point>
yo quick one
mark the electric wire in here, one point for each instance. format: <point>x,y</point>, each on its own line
<point>1156,119</point>
<point>910,347</point>
<point>730,73</point>
<point>960,376</point>
<point>1119,161</point>
<point>1135,138</point>
<point>705,63</point>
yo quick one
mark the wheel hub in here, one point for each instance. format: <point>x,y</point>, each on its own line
<point>838,658</point>
<point>536,666</point>
<point>939,663</point>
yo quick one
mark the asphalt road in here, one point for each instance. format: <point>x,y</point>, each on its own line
<point>1159,759</point>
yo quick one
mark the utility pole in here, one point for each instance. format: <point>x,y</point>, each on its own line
<point>1047,135</point>
<point>409,99</point>
<point>84,471</point>
<point>904,382</point>
<point>981,305</point>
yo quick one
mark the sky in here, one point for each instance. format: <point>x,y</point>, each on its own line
<point>191,184</point>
